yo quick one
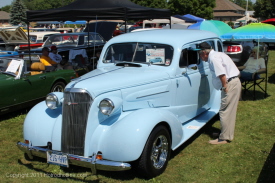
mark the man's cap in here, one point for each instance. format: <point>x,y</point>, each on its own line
<point>204,46</point>
<point>53,47</point>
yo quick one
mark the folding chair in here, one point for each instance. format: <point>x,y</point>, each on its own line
<point>248,84</point>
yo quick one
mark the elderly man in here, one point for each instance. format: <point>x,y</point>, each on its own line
<point>225,78</point>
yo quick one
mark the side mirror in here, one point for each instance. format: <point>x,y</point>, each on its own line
<point>193,66</point>
<point>184,71</point>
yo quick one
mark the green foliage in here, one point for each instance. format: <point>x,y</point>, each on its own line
<point>231,24</point>
<point>6,8</point>
<point>200,8</point>
<point>18,12</point>
<point>264,9</point>
<point>152,4</point>
<point>46,4</point>
<point>243,3</point>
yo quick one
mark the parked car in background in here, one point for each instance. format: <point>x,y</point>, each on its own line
<point>24,83</point>
<point>91,42</point>
<point>16,39</point>
<point>128,112</point>
<point>36,40</point>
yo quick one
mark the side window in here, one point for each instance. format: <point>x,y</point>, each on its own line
<point>212,44</point>
<point>188,57</point>
<point>219,46</point>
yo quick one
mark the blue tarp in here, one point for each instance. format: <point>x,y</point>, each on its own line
<point>76,22</point>
<point>189,18</point>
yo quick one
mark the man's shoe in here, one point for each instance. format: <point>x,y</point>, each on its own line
<point>218,141</point>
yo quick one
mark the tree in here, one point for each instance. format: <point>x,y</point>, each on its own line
<point>264,9</point>
<point>6,8</point>
<point>46,4</point>
<point>18,12</point>
<point>243,3</point>
<point>162,4</point>
<point>200,8</point>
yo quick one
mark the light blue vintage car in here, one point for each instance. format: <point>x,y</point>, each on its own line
<point>128,111</point>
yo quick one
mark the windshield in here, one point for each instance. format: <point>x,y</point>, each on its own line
<point>33,38</point>
<point>60,39</point>
<point>94,38</point>
<point>154,53</point>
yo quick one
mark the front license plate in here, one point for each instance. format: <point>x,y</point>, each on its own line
<point>57,158</point>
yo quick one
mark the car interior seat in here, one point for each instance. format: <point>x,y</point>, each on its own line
<point>37,68</point>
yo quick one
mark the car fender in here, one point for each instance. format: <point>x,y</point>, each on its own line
<point>125,139</point>
<point>42,125</point>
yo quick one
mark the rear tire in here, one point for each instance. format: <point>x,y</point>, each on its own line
<point>156,153</point>
<point>58,87</point>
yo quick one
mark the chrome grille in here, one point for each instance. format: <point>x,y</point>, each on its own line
<point>76,106</point>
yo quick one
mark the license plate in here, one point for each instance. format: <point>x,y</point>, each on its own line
<point>57,158</point>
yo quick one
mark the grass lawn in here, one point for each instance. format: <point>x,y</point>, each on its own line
<point>250,157</point>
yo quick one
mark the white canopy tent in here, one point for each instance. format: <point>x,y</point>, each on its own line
<point>247,18</point>
<point>161,21</point>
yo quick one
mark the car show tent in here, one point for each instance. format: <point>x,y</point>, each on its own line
<point>163,21</point>
<point>98,10</point>
<point>189,18</point>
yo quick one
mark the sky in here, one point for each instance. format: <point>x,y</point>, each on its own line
<point>5,3</point>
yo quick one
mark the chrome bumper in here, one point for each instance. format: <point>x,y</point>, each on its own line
<point>91,162</point>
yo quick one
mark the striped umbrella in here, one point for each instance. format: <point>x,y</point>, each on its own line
<point>260,32</point>
<point>215,26</point>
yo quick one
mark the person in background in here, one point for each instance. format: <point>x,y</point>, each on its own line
<point>45,59</point>
<point>54,55</point>
<point>241,24</point>
<point>253,65</point>
<point>225,78</point>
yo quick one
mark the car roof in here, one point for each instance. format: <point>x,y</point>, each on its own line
<point>165,36</point>
<point>44,33</point>
<point>77,33</point>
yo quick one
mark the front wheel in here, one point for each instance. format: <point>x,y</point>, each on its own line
<point>58,87</point>
<point>156,153</point>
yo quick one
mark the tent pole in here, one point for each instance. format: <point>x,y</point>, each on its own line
<point>125,28</point>
<point>29,43</point>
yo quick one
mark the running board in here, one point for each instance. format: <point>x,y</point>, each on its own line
<point>191,127</point>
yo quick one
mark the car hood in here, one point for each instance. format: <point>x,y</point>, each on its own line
<point>114,78</point>
<point>14,36</point>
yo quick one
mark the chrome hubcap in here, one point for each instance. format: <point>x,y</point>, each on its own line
<point>159,152</point>
<point>58,88</point>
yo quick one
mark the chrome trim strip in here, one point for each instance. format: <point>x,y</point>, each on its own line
<point>90,162</point>
<point>152,94</point>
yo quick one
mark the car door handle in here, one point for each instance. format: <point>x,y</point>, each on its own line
<point>42,77</point>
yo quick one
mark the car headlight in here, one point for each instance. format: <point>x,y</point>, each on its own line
<point>53,100</point>
<point>106,106</point>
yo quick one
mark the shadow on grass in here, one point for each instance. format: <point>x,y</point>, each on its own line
<point>207,129</point>
<point>271,79</point>
<point>11,115</point>
<point>64,176</point>
<point>259,95</point>
<point>268,171</point>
